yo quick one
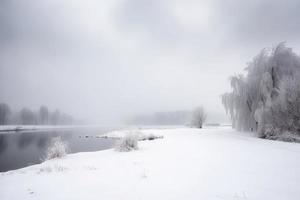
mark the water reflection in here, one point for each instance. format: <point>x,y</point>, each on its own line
<point>3,143</point>
<point>19,150</point>
<point>25,140</point>
<point>42,141</point>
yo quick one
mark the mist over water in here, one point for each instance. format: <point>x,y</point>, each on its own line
<point>174,98</point>
<point>104,62</point>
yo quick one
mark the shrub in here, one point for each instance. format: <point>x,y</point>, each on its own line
<point>56,149</point>
<point>127,143</point>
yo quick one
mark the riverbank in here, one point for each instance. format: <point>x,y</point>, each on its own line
<point>214,163</point>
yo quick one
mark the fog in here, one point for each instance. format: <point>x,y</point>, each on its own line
<point>105,61</point>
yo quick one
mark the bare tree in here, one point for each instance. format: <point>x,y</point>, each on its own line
<point>198,117</point>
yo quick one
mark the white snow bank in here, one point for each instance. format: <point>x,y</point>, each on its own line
<point>186,164</point>
<point>141,135</point>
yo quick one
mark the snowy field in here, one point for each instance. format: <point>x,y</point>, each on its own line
<point>214,163</point>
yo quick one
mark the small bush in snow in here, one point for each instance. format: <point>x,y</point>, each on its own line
<point>128,143</point>
<point>56,149</point>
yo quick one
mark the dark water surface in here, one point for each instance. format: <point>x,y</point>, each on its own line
<point>21,149</point>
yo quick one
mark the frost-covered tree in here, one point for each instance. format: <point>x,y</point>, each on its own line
<point>267,98</point>
<point>198,117</point>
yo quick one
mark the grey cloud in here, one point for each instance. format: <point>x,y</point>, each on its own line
<point>268,21</point>
<point>133,57</point>
<point>150,17</point>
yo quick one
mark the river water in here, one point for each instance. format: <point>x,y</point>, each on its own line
<point>21,149</point>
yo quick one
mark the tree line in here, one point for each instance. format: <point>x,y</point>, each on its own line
<point>195,118</point>
<point>26,116</point>
<point>161,118</point>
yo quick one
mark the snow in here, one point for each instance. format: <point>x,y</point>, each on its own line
<point>141,135</point>
<point>215,163</point>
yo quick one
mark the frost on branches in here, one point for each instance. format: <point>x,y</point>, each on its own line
<point>267,98</point>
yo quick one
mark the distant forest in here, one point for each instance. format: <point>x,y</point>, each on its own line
<point>25,116</point>
<point>162,118</point>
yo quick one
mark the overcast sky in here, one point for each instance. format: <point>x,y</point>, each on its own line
<point>106,60</point>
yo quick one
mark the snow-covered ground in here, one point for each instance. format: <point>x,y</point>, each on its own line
<point>215,163</point>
